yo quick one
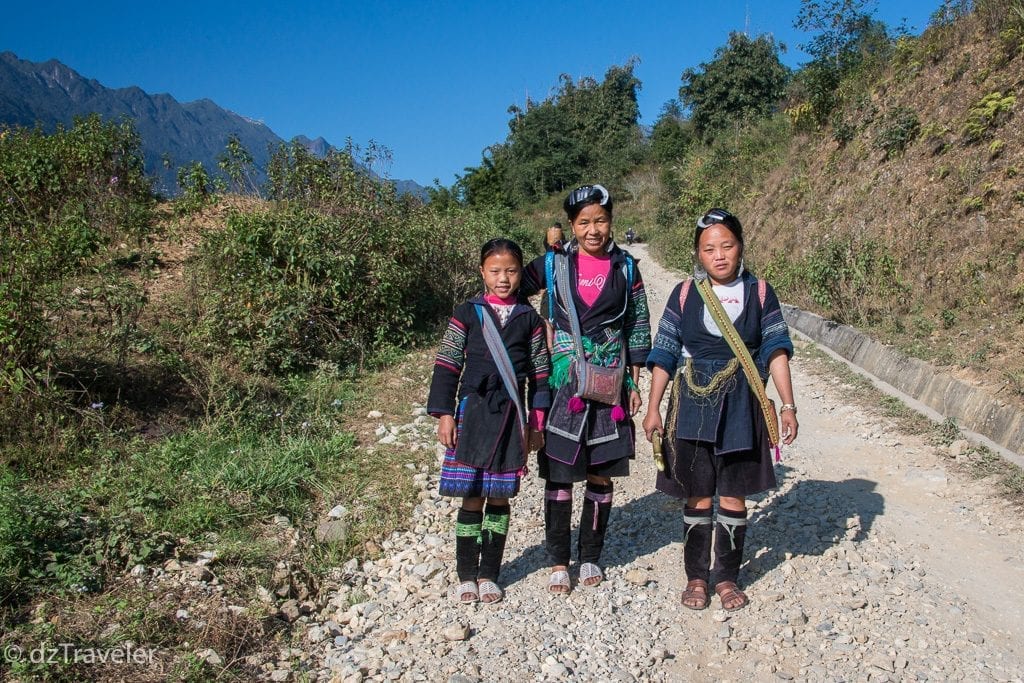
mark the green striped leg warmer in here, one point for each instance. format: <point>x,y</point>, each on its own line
<point>493,533</point>
<point>467,544</point>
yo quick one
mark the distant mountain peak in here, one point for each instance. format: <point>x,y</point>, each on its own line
<point>51,93</point>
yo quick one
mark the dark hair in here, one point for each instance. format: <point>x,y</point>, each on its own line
<point>584,196</point>
<point>556,224</point>
<point>717,217</point>
<point>501,245</point>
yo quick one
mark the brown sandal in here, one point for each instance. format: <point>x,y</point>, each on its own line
<point>696,594</point>
<point>731,596</point>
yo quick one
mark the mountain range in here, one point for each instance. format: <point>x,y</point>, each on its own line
<point>49,93</point>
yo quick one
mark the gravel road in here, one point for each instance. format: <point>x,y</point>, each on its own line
<point>870,562</point>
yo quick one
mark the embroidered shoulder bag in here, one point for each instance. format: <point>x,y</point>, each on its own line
<point>595,382</point>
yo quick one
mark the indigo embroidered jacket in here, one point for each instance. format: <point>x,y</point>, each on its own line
<point>617,317</point>
<point>730,418</point>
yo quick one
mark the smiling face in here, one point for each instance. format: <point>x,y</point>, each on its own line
<point>593,229</point>
<point>501,273</point>
<point>719,252</point>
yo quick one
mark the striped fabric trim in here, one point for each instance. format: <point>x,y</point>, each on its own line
<point>558,495</point>
<point>467,530</point>
<point>637,324</point>
<point>452,353</point>
<point>539,360</point>
<point>599,499</point>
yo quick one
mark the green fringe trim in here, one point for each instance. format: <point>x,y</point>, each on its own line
<point>497,524</point>
<point>560,363</point>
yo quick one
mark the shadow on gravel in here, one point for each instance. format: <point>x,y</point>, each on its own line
<point>808,519</point>
<point>637,528</point>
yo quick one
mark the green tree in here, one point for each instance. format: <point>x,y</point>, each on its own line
<point>236,162</point>
<point>672,134</point>
<point>485,185</point>
<point>544,154</point>
<point>837,24</point>
<point>846,40</point>
<point>744,82</point>
<point>586,130</point>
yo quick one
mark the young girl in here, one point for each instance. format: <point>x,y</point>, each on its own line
<point>721,436</point>
<point>486,453</point>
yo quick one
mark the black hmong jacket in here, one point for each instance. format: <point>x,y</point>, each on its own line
<point>466,383</point>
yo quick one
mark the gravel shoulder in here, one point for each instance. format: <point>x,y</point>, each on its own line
<point>870,561</point>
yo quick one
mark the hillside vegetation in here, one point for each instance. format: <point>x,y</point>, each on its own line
<point>176,376</point>
<point>903,213</point>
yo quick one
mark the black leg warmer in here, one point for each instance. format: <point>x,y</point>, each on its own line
<point>697,543</point>
<point>467,544</point>
<point>597,505</point>
<point>557,521</point>
<point>730,533</point>
<point>493,533</point>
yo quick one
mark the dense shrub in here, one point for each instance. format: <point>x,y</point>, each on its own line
<point>337,269</point>
<point>843,278</point>
<point>986,115</point>
<point>898,128</point>
<point>72,203</point>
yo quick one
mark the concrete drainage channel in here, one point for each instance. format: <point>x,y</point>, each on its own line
<point>980,416</point>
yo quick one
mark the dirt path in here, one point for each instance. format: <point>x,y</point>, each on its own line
<point>870,562</point>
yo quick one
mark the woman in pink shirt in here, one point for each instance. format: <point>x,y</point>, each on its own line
<point>587,440</point>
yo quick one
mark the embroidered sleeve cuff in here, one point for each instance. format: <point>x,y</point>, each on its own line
<point>665,361</point>
<point>773,345</point>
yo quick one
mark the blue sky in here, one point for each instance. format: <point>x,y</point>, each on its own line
<point>431,81</point>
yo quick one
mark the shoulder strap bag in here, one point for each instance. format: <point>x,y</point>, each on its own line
<point>505,368</point>
<point>595,382</point>
<point>730,334</point>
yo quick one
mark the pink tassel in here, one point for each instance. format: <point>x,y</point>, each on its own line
<point>576,405</point>
<point>778,454</point>
<point>618,414</point>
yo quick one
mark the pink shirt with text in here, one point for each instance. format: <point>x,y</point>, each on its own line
<point>593,273</point>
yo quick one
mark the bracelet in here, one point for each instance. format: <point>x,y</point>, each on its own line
<point>787,406</point>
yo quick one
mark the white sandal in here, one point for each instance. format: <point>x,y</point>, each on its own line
<point>589,570</point>
<point>489,589</point>
<point>467,588</point>
<point>559,580</point>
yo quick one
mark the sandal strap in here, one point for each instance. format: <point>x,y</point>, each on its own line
<point>696,590</point>
<point>467,587</point>
<point>728,591</point>
<point>589,570</point>
<point>560,579</point>
<point>490,588</point>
